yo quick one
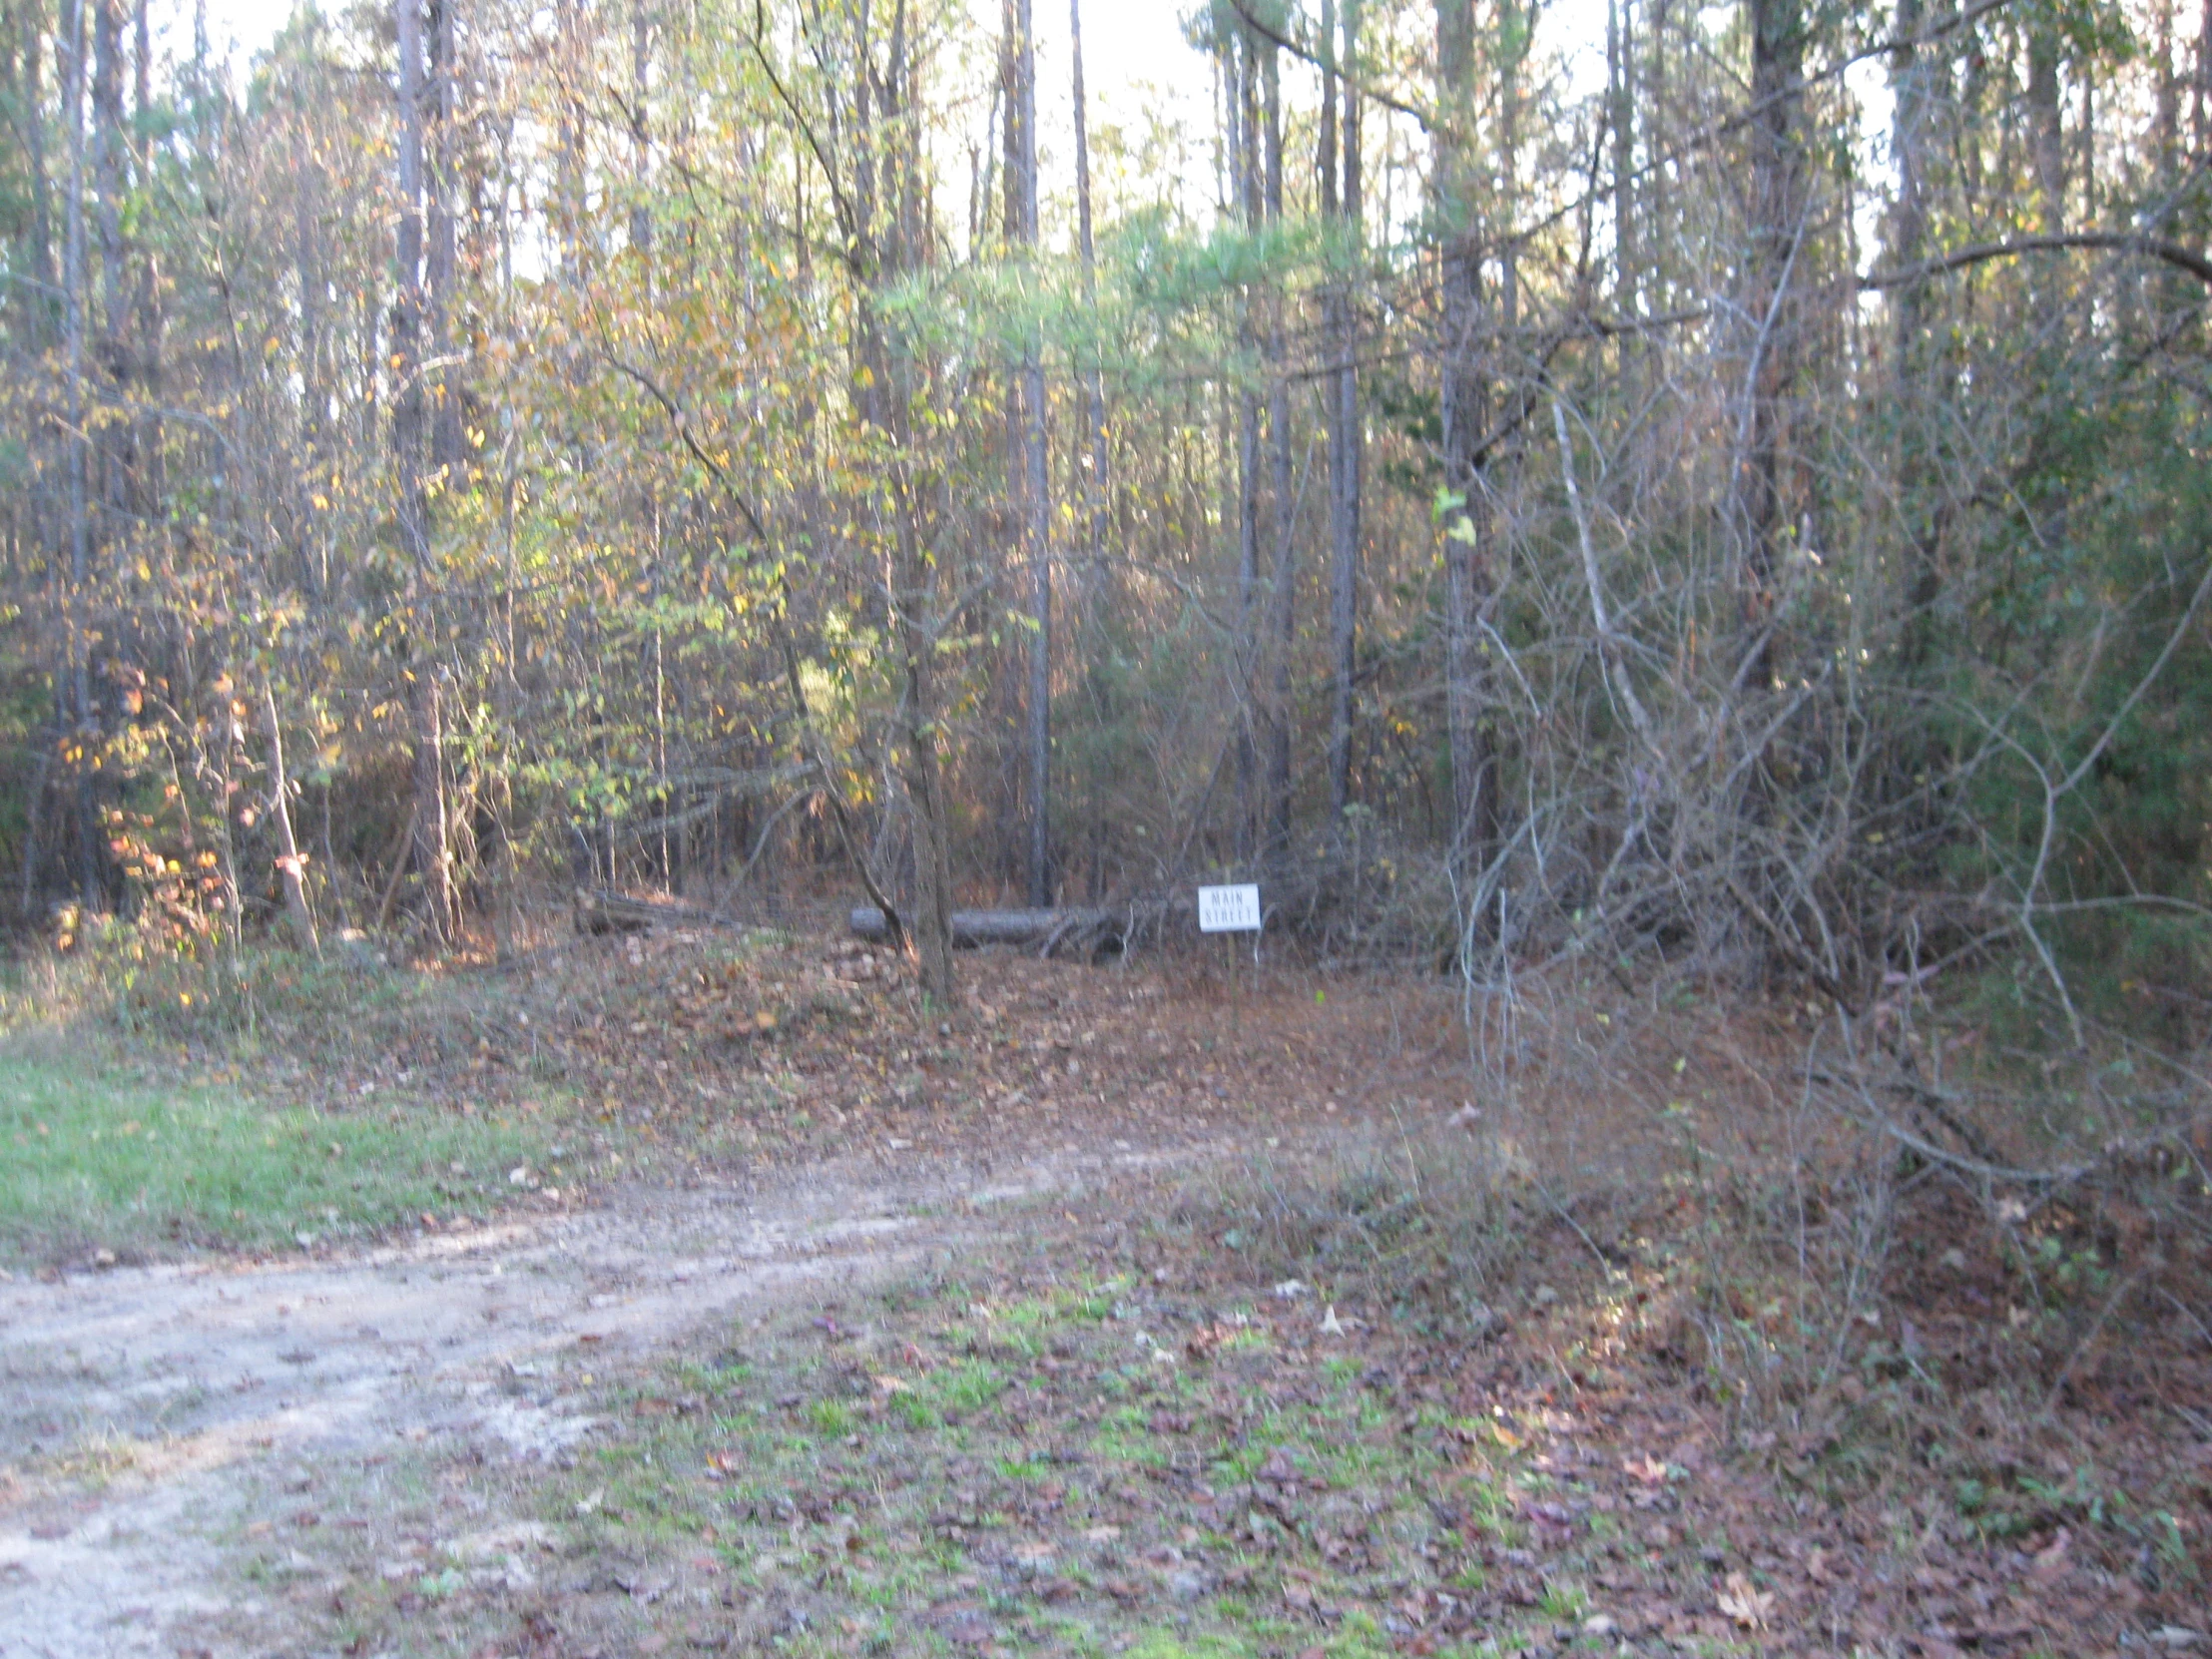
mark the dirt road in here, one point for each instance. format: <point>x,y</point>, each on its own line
<point>181,1404</point>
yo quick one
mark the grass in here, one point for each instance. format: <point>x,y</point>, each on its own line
<point>1019,1474</point>
<point>93,1160</point>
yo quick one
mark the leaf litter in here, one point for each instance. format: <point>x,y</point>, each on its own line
<point>984,1454</point>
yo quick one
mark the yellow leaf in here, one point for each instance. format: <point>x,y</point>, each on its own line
<point>1749,1608</point>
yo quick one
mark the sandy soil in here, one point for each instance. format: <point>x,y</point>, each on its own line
<point>184,1400</point>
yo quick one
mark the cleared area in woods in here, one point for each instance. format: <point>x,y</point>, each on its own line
<point>626,630</point>
<point>1309,1342</point>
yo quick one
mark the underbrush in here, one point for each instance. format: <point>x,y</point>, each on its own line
<point>1866,1328</point>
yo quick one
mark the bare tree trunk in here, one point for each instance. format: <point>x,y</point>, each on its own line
<point>433,861</point>
<point>1920,423</point>
<point>2166,116</point>
<point>917,596</point>
<point>290,867</point>
<point>445,392</point>
<point>1466,408</point>
<point>1035,494</point>
<point>1621,115</point>
<point>314,390</point>
<point>1341,397</point>
<point>1244,148</point>
<point>914,603</point>
<point>72,335</point>
<point>114,483</point>
<point>2200,85</point>
<point>1769,312</point>
<point>33,105</point>
<point>145,500</point>
<point>427,836</point>
<point>1096,579</point>
<point>641,138</point>
<point>568,142</point>
<point>1283,597</point>
<point>406,309</point>
<point>2046,128</point>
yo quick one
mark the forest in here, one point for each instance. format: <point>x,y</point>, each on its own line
<point>1672,542</point>
<point>1746,508</point>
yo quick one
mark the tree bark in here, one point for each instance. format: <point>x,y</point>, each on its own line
<point>1244,122</point>
<point>1283,595</point>
<point>406,309</point>
<point>641,138</point>
<point>2200,85</point>
<point>290,865</point>
<point>2046,126</point>
<point>1035,496</point>
<point>427,766</point>
<point>314,390</point>
<point>889,244</point>
<point>33,103</point>
<point>1096,584</point>
<point>447,436</point>
<point>72,335</point>
<point>1769,312</point>
<point>117,463</point>
<point>1464,406</point>
<point>146,497</point>
<point>1911,85</point>
<point>1621,116</point>
<point>1341,397</point>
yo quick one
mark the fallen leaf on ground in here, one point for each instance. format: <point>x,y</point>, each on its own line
<point>1744,1603</point>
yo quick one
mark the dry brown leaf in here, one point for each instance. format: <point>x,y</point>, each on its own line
<point>1748,1605</point>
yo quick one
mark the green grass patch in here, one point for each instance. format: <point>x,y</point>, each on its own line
<point>94,1161</point>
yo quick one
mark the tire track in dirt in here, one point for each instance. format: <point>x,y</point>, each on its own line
<point>170,1397</point>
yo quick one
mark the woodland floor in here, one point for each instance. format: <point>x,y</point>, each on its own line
<point>822,1326</point>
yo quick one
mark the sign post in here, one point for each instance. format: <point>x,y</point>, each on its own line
<point>1231,909</point>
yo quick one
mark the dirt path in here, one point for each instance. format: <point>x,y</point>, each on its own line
<point>183,1397</point>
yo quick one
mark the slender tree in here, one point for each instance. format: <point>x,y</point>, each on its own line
<point>1034,497</point>
<point>1463,348</point>
<point>1341,205</point>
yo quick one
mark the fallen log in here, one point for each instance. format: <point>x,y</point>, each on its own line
<point>599,911</point>
<point>1048,931</point>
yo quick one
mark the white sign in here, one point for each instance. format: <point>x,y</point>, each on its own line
<point>1229,909</point>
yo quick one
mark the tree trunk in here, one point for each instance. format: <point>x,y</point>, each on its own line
<point>1769,312</point>
<point>433,861</point>
<point>427,766</point>
<point>72,333</point>
<point>1341,397</point>
<point>1621,116</point>
<point>641,140</point>
<point>889,244</point>
<point>2200,85</point>
<point>1244,147</point>
<point>1920,420</point>
<point>1283,595</point>
<point>2046,128</point>
<point>407,309</point>
<point>32,101</point>
<point>290,867</point>
<point>1097,582</point>
<point>115,484</point>
<point>146,440</point>
<point>446,438</point>
<point>1035,496</point>
<point>1465,409</point>
<point>314,392</point>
